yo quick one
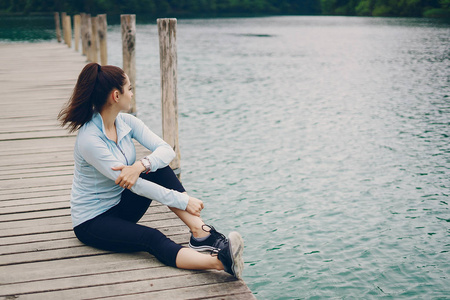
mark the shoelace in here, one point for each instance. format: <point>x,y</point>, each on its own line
<point>218,237</point>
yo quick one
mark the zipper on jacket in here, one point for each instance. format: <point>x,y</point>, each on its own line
<point>122,153</point>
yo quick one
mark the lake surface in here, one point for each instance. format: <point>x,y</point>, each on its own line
<point>323,140</point>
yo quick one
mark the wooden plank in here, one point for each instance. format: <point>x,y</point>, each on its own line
<point>182,286</point>
<point>39,237</point>
<point>29,210</point>
<point>39,191</point>
<point>34,182</point>
<point>36,171</point>
<point>75,267</point>
<point>81,281</point>
<point>39,173</point>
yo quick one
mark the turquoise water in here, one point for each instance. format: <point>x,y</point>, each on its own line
<point>323,140</point>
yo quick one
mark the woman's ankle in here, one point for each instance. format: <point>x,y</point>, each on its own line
<point>199,232</point>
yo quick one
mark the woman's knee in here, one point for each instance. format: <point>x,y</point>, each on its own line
<point>166,178</point>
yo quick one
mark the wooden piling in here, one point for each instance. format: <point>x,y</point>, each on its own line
<point>69,31</point>
<point>76,31</point>
<point>102,41</point>
<point>83,32</point>
<point>58,27</point>
<point>63,24</point>
<point>128,25</point>
<point>94,46</point>
<point>167,31</point>
<point>88,37</point>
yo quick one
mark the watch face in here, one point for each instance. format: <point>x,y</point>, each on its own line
<point>146,163</point>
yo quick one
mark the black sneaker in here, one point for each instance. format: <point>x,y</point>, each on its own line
<point>214,243</point>
<point>231,255</point>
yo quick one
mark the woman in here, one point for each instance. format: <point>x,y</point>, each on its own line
<point>112,190</point>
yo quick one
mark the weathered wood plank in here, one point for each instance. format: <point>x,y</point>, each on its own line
<point>105,278</point>
<point>39,171</point>
<point>75,267</point>
<point>186,284</point>
<point>39,191</point>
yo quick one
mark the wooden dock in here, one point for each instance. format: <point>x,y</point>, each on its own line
<point>40,257</point>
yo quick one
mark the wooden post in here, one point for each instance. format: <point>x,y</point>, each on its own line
<point>58,27</point>
<point>63,24</point>
<point>69,31</point>
<point>88,37</point>
<point>102,42</point>
<point>83,32</point>
<point>94,46</point>
<point>167,30</point>
<point>77,31</point>
<point>128,24</point>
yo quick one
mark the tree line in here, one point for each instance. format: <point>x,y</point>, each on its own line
<point>217,8</point>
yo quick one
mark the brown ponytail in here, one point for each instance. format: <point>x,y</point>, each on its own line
<point>90,94</point>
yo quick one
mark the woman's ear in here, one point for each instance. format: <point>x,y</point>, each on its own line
<point>115,96</point>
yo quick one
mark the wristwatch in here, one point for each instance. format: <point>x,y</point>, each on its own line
<point>147,165</point>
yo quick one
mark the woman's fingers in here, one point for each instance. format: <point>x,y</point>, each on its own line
<point>118,168</point>
<point>194,206</point>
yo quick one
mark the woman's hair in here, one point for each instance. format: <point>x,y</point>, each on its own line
<point>90,94</point>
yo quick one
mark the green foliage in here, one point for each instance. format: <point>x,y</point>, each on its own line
<point>180,8</point>
<point>437,13</point>
<point>328,6</point>
<point>364,8</point>
<point>445,4</point>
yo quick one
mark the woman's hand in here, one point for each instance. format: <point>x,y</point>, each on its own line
<point>194,206</point>
<point>129,174</point>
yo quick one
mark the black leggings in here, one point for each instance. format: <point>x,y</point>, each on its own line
<point>116,229</point>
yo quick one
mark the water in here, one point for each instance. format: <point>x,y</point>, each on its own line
<point>323,140</point>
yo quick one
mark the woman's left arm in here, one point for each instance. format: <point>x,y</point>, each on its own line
<point>162,154</point>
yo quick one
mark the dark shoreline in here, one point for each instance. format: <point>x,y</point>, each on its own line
<point>432,13</point>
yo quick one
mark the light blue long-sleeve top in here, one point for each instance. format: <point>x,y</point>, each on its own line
<point>93,189</point>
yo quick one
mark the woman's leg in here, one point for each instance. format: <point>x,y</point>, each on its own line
<point>193,222</point>
<point>193,260</point>
<point>109,232</point>
<point>203,237</point>
<point>167,178</point>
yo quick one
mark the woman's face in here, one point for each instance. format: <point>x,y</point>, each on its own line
<point>125,98</point>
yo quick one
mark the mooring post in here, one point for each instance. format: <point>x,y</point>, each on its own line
<point>63,24</point>
<point>128,25</point>
<point>69,31</point>
<point>83,32</point>
<point>94,46</point>
<point>102,41</point>
<point>167,31</point>
<point>58,27</point>
<point>76,31</point>
<point>88,37</point>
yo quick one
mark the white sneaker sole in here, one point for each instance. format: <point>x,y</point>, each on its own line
<point>202,248</point>
<point>237,249</point>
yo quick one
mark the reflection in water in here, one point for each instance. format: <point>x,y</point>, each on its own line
<point>28,29</point>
